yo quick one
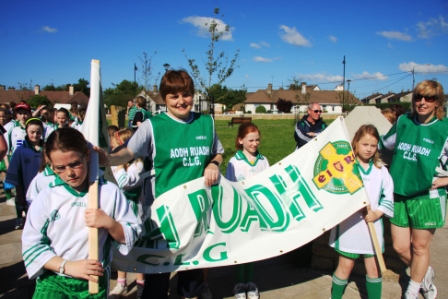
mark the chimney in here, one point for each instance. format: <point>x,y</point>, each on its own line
<point>71,90</point>
<point>2,87</point>
<point>154,88</point>
<point>303,87</point>
<point>36,89</point>
<point>270,88</point>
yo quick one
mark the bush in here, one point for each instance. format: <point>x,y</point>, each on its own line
<point>284,105</point>
<point>260,109</point>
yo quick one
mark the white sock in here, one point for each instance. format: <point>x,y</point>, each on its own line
<point>413,289</point>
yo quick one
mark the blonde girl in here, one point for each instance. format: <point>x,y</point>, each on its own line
<point>351,238</point>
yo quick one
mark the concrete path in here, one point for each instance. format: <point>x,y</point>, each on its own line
<point>280,277</point>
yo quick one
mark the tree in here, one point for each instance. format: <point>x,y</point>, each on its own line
<point>301,99</point>
<point>227,97</point>
<point>348,101</point>
<point>216,63</point>
<point>37,100</point>
<point>260,109</point>
<point>82,86</point>
<point>284,105</point>
<point>146,70</point>
<point>121,94</point>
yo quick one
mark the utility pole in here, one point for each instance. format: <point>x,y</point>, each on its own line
<point>135,69</point>
<point>343,87</point>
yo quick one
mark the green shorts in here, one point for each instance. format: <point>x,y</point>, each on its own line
<point>353,256</point>
<point>420,212</point>
<point>53,286</point>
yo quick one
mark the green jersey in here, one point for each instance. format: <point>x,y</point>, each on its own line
<point>417,150</point>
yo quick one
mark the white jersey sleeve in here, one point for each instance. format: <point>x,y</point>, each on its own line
<point>130,178</point>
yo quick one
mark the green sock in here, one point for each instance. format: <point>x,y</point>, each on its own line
<point>374,287</point>
<point>241,273</point>
<point>338,287</point>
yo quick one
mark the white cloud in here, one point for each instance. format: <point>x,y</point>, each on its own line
<point>49,29</point>
<point>203,25</point>
<point>369,76</point>
<point>255,45</point>
<point>395,35</point>
<point>259,45</point>
<point>334,39</point>
<point>292,36</point>
<point>432,27</point>
<point>422,68</point>
<point>262,59</point>
<point>319,77</point>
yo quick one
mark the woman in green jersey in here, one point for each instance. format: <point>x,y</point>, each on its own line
<point>420,149</point>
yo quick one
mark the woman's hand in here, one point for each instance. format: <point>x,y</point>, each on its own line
<point>439,182</point>
<point>211,174</point>
<point>84,269</point>
<point>103,156</point>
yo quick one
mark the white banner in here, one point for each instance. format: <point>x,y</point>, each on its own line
<point>274,212</point>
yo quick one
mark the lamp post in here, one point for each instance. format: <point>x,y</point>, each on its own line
<point>166,66</point>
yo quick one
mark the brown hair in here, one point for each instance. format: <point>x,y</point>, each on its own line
<point>243,130</point>
<point>430,88</point>
<point>390,115</point>
<point>65,140</point>
<point>140,102</point>
<point>372,131</point>
<point>175,81</point>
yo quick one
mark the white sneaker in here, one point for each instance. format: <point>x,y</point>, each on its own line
<point>139,291</point>
<point>206,293</point>
<point>428,287</point>
<point>252,291</point>
<point>11,202</point>
<point>240,291</point>
<point>118,291</point>
<point>20,222</point>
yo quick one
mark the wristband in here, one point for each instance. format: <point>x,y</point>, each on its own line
<point>62,267</point>
<point>214,162</point>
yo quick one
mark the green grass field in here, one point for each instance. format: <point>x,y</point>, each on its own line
<point>277,139</point>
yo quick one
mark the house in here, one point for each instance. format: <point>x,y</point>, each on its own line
<point>328,99</point>
<point>372,99</point>
<point>61,97</point>
<point>154,101</point>
<point>404,96</point>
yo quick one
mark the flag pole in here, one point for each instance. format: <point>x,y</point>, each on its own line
<point>376,245</point>
<point>92,135</point>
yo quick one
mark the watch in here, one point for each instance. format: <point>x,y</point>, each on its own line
<point>62,267</point>
<point>214,162</point>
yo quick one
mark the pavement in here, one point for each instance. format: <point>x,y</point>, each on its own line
<point>285,277</point>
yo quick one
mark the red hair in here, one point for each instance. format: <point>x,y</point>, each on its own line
<point>243,130</point>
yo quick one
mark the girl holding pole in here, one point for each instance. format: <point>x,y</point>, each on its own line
<point>55,238</point>
<point>351,238</point>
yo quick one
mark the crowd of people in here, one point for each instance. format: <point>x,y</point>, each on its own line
<point>46,160</point>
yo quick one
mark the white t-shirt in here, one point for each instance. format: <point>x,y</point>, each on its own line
<point>352,235</point>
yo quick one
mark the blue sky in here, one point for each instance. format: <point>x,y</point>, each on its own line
<point>53,42</point>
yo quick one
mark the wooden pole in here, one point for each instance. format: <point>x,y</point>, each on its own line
<point>376,245</point>
<point>93,234</point>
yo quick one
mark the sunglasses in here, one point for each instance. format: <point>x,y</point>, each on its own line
<point>429,99</point>
<point>317,111</point>
<point>77,164</point>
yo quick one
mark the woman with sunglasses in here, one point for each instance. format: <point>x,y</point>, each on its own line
<point>419,141</point>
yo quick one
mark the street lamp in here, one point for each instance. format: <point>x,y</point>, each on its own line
<point>166,66</point>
